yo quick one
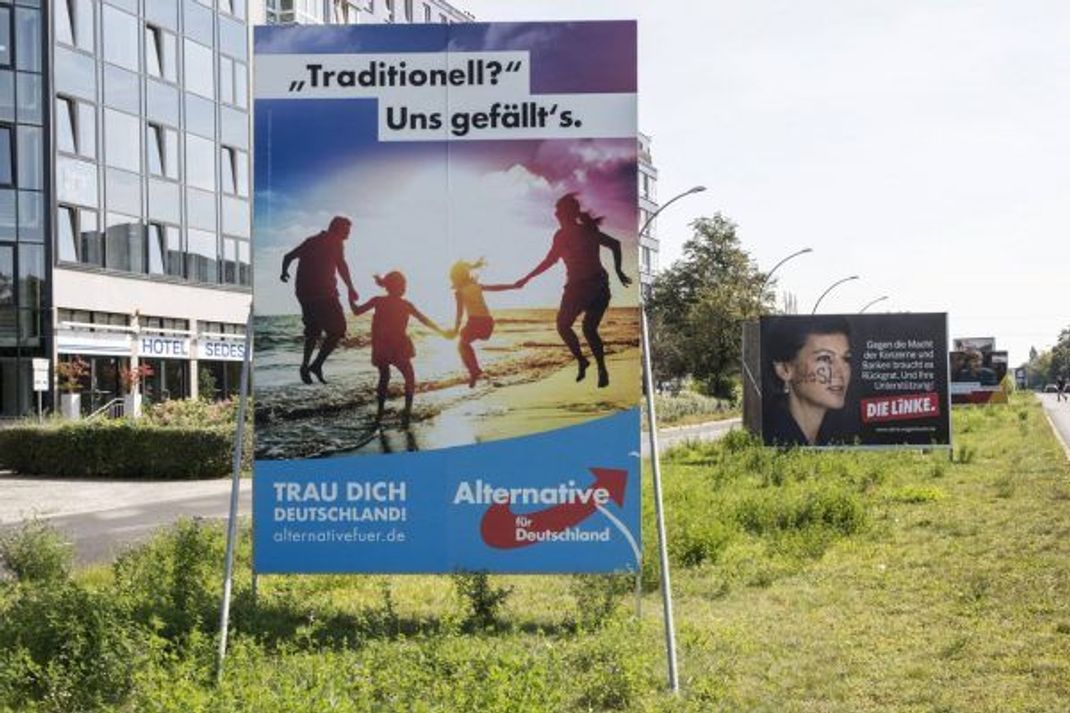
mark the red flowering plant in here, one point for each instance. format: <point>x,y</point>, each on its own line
<point>70,374</point>
<point>132,377</point>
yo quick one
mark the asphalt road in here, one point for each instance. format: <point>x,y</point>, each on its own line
<point>1059,413</point>
<point>674,436</point>
<point>104,517</point>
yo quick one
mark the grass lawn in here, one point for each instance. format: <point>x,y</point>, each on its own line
<point>803,582</point>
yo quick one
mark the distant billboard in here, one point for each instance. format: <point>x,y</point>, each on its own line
<point>848,380</point>
<point>981,344</point>
<point>977,372</point>
<point>1021,377</point>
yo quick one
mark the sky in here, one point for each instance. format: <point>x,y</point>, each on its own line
<point>921,145</point>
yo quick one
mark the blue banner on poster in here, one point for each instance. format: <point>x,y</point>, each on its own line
<point>447,362</point>
<point>563,501</point>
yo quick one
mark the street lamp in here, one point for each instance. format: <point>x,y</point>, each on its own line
<point>650,218</point>
<point>870,304</point>
<point>830,289</point>
<point>655,462</point>
<point>769,274</point>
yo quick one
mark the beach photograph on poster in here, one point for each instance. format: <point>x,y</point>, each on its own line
<point>491,284</point>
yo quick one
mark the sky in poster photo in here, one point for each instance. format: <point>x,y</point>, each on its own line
<point>409,201</point>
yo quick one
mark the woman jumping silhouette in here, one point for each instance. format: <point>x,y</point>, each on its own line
<point>578,243</point>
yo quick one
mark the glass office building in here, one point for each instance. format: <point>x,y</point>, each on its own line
<point>126,204</point>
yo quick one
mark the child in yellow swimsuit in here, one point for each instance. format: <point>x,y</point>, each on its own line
<point>480,324</point>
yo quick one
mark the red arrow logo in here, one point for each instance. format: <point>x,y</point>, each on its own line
<point>500,524</point>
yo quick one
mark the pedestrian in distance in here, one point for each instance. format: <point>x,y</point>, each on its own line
<point>1060,389</point>
<point>320,258</point>
<point>391,344</point>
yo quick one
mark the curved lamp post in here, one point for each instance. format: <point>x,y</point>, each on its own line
<point>831,287</point>
<point>870,304</point>
<point>655,462</point>
<point>769,275</point>
<point>663,206</point>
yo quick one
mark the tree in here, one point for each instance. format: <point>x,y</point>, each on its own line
<point>698,306</point>
<point>1047,366</point>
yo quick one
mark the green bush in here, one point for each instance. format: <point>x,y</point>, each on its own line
<point>193,413</point>
<point>782,510</point>
<point>119,449</point>
<point>66,648</point>
<point>483,600</point>
<point>36,552</point>
<point>172,582</point>
<point>597,597</point>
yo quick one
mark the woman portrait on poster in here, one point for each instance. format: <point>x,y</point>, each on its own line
<point>808,374</point>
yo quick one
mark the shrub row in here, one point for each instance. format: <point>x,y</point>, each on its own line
<point>117,449</point>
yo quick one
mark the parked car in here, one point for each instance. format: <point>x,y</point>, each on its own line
<point>1051,389</point>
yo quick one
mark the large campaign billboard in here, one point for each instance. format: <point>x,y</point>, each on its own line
<point>447,365</point>
<point>848,380</point>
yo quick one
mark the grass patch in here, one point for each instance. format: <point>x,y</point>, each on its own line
<point>804,581</point>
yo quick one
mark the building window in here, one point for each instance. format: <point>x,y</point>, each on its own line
<point>160,48</point>
<point>74,23</point>
<point>156,249</point>
<point>30,161</point>
<point>199,73</point>
<point>234,164</point>
<point>7,156</point>
<point>28,39</point>
<point>76,127</point>
<point>226,80</point>
<point>200,162</point>
<point>5,36</point>
<point>120,37</point>
<point>162,150</point>
<point>241,84</point>
<point>77,237</point>
<point>66,229</point>
<point>121,147</point>
<point>123,246</point>
<point>174,257</point>
<point>201,256</point>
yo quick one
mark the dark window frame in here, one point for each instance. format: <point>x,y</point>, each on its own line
<point>12,131</point>
<point>10,10</point>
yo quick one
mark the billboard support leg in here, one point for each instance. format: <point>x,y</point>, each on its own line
<point>639,594</point>
<point>235,486</point>
<point>663,552</point>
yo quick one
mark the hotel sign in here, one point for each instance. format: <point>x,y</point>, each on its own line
<point>161,347</point>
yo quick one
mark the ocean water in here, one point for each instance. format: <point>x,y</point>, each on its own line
<point>298,420</point>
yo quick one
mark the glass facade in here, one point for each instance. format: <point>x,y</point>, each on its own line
<point>151,101</point>
<point>24,299</point>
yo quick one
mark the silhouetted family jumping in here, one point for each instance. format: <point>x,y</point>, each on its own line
<point>577,243</point>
